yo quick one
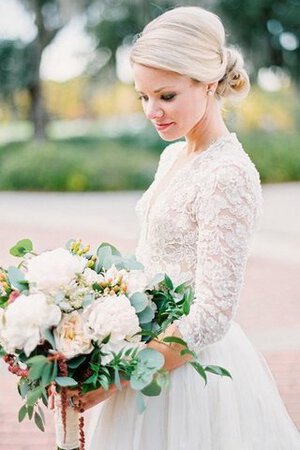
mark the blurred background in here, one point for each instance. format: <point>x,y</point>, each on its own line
<point>70,119</point>
<point>76,153</point>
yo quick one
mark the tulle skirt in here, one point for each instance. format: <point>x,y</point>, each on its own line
<point>245,413</point>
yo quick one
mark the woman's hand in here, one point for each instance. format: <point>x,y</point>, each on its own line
<point>84,402</point>
<point>171,351</point>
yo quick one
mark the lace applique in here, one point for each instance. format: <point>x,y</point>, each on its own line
<point>199,229</point>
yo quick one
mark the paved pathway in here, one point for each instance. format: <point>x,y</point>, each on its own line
<point>269,308</point>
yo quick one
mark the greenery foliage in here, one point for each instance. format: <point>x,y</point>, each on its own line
<point>126,163</point>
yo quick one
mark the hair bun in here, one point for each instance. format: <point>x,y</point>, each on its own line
<point>235,81</point>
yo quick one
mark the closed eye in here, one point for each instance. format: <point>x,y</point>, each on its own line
<point>165,97</point>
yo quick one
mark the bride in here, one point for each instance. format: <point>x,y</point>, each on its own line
<point>197,221</point>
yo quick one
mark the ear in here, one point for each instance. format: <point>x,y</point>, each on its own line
<point>212,86</point>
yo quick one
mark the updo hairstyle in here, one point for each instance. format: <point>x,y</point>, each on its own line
<point>191,41</point>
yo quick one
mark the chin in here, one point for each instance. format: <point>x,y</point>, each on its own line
<point>171,137</point>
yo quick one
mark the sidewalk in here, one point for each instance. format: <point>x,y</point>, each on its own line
<point>269,305</point>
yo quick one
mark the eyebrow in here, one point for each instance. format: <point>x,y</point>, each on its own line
<point>156,91</point>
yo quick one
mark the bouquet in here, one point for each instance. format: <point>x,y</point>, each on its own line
<point>71,318</point>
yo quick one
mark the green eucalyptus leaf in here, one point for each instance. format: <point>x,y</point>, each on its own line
<point>175,340</point>
<point>168,282</point>
<point>117,380</point>
<point>88,298</point>
<point>114,250</point>
<point>47,374</point>
<point>139,381</point>
<point>74,363</point>
<point>22,413</point>
<point>36,360</point>
<point>41,414</point>
<point>16,278</point>
<point>139,301</point>
<point>33,396</point>
<point>153,389</point>
<point>141,405</point>
<point>54,371</point>
<point>128,263</point>
<point>146,315</point>
<point>104,254</point>
<point>186,308</point>
<point>187,351</point>
<point>163,378</point>
<point>218,371</point>
<point>180,288</point>
<point>197,366</point>
<point>23,386</point>
<point>106,339</point>
<point>48,335</point>
<point>66,381</point>
<point>152,359</point>
<point>38,421</point>
<point>21,248</point>
<point>36,370</point>
<point>30,410</point>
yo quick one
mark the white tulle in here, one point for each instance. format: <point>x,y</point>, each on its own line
<point>196,224</point>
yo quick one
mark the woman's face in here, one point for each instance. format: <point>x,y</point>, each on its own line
<point>175,104</point>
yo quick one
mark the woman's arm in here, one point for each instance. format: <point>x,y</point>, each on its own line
<point>226,210</point>
<point>173,359</point>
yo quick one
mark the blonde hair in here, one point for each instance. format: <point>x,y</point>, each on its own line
<point>191,41</point>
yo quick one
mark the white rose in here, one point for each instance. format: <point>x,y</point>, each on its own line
<point>112,315</point>
<point>70,337</point>
<point>136,281</point>
<point>52,270</point>
<point>25,320</point>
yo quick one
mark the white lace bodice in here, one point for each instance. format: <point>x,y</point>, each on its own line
<point>199,228</point>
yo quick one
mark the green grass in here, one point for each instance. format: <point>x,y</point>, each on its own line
<point>126,163</point>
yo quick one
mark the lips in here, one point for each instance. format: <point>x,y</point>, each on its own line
<point>163,126</point>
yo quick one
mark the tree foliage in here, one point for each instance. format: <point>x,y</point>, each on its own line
<point>268,30</point>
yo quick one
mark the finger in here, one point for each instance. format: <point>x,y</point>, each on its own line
<point>72,392</point>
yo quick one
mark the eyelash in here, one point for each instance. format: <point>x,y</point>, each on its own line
<point>166,98</point>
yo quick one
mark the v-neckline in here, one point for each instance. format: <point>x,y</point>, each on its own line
<point>154,197</point>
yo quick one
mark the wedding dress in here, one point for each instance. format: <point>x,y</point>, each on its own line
<point>196,224</point>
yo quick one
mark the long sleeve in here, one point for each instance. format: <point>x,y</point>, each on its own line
<point>226,211</point>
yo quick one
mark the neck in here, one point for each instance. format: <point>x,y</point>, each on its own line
<point>210,127</point>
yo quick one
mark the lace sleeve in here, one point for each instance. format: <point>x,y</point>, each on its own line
<point>226,210</point>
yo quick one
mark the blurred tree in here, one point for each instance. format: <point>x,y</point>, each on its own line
<point>11,71</point>
<point>115,23</point>
<point>269,31</point>
<point>20,62</point>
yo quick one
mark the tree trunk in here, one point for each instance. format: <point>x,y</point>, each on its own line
<point>38,113</point>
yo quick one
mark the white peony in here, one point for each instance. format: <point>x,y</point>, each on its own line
<point>52,270</point>
<point>112,315</point>
<point>25,320</point>
<point>136,281</point>
<point>70,337</point>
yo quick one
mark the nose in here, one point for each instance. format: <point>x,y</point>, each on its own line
<point>153,111</point>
